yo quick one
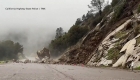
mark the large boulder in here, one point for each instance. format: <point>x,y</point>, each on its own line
<point>27,61</point>
<point>43,53</point>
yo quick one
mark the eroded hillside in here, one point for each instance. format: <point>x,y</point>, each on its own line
<point>107,43</point>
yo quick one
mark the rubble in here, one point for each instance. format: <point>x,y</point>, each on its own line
<point>104,62</point>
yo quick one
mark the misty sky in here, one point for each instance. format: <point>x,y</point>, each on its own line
<point>34,29</point>
<point>58,13</point>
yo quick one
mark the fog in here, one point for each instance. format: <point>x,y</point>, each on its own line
<point>32,39</point>
<point>34,29</point>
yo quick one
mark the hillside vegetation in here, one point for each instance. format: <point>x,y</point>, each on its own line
<point>9,50</point>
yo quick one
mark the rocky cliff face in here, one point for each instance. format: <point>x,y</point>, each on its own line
<point>110,44</point>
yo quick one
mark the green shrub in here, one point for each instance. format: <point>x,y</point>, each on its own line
<point>138,68</point>
<point>118,12</point>
<point>106,10</point>
<point>138,10</point>
<point>2,62</point>
<point>137,30</point>
<point>114,2</point>
<point>96,19</point>
<point>120,34</point>
<point>113,54</point>
<point>137,41</point>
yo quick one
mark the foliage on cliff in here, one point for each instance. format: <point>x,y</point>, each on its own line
<point>58,45</point>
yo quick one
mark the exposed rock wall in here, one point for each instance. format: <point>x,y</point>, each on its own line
<point>127,44</point>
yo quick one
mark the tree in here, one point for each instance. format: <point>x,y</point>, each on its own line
<point>59,32</point>
<point>68,39</point>
<point>96,5</point>
<point>114,2</point>
<point>83,17</point>
<point>78,21</point>
<point>76,33</point>
<point>18,48</point>
<point>89,14</point>
<point>9,50</point>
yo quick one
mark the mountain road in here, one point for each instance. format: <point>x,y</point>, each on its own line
<point>36,71</point>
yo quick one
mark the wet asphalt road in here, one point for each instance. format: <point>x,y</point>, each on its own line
<point>34,71</point>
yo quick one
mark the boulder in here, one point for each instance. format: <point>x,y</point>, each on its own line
<point>105,62</point>
<point>43,53</point>
<point>14,60</point>
<point>131,47</point>
<point>120,61</point>
<point>27,61</point>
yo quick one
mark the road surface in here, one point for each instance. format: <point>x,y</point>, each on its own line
<point>34,71</point>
